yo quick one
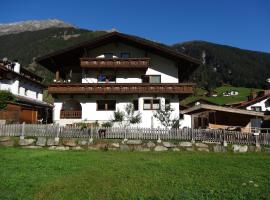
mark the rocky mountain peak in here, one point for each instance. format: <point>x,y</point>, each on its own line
<point>32,25</point>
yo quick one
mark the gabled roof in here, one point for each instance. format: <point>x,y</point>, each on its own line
<point>25,74</point>
<point>253,101</point>
<point>116,36</point>
<point>205,107</point>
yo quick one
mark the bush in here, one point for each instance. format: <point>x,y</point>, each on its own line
<point>5,97</point>
<point>107,124</point>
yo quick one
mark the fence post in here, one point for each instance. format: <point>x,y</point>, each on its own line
<point>257,142</point>
<point>159,140</point>
<point>23,131</point>
<point>125,139</point>
<point>225,144</point>
<point>192,136</point>
<point>90,141</point>
<point>56,139</point>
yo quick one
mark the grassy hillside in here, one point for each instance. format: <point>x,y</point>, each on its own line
<point>229,65</point>
<point>220,99</point>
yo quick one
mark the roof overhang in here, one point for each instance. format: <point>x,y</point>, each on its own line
<point>51,60</point>
<point>26,101</point>
<point>206,107</point>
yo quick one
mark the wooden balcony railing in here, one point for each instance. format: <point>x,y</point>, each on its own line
<point>71,114</point>
<point>121,88</point>
<point>131,63</point>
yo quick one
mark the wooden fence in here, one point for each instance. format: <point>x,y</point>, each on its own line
<point>208,135</point>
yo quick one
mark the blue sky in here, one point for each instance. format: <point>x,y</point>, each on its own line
<point>241,23</point>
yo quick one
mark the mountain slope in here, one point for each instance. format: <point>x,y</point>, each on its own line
<point>229,65</point>
<point>26,46</point>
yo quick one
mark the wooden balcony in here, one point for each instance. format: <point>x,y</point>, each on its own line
<point>121,88</point>
<point>70,114</point>
<point>119,63</point>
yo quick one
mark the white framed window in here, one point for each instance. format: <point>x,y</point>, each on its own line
<point>151,104</point>
<point>256,108</point>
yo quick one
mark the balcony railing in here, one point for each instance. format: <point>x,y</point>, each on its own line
<point>121,88</point>
<point>70,114</point>
<point>131,63</point>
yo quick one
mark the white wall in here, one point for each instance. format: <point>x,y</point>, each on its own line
<point>158,65</point>
<point>33,91</point>
<point>90,113</point>
<point>186,121</point>
<point>263,104</point>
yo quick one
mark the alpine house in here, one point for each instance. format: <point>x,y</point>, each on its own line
<point>97,77</point>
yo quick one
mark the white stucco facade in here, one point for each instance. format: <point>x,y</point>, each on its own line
<point>186,121</point>
<point>22,87</point>
<point>165,68</point>
<point>263,105</point>
<point>90,113</point>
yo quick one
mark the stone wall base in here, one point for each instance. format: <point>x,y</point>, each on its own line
<point>63,144</point>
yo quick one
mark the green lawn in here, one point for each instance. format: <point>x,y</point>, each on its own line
<point>44,174</point>
<point>220,99</point>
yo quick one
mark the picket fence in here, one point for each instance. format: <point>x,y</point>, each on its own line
<point>208,135</point>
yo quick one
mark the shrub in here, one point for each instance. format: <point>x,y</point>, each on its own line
<point>5,97</point>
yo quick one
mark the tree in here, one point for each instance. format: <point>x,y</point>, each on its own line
<point>126,117</point>
<point>165,117</point>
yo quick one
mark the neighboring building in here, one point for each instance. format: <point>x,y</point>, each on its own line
<point>98,77</point>
<point>219,117</point>
<point>257,102</point>
<point>28,91</point>
<point>185,119</point>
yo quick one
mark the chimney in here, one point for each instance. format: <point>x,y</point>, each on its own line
<point>253,94</point>
<point>17,67</point>
<point>267,92</point>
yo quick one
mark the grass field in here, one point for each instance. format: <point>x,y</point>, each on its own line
<point>220,99</point>
<point>44,174</point>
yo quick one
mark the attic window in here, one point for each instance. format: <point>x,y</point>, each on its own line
<point>151,79</point>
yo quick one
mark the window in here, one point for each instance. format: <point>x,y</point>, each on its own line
<point>156,104</point>
<point>25,92</point>
<point>136,104</point>
<point>106,104</point>
<point>125,55</point>
<point>151,79</point>
<point>151,104</point>
<point>37,95</point>
<point>256,108</point>
<point>108,55</point>
<point>106,78</point>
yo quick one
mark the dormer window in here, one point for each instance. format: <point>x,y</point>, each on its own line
<point>108,55</point>
<point>125,55</point>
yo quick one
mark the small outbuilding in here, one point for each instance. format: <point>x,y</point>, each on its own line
<point>219,117</point>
